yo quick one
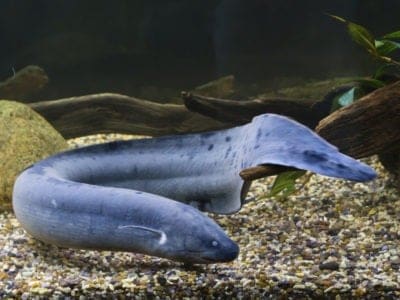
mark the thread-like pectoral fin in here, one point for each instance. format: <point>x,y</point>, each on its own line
<point>143,231</point>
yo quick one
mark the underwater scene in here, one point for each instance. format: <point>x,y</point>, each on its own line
<point>208,149</point>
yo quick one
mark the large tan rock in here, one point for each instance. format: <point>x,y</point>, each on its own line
<point>25,137</point>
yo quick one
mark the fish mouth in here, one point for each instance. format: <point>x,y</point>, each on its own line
<point>194,257</point>
<point>207,260</point>
<point>227,257</point>
<point>206,257</point>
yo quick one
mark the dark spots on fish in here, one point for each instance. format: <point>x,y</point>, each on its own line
<point>228,151</point>
<point>256,146</point>
<point>341,166</point>
<point>315,157</point>
<point>259,133</point>
<point>234,154</point>
<point>267,134</point>
<point>179,144</point>
<point>191,155</point>
<point>138,192</point>
<point>210,147</point>
<point>228,138</point>
<point>207,134</point>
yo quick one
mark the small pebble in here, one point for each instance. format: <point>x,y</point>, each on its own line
<point>329,265</point>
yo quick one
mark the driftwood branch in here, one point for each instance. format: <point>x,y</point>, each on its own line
<point>25,82</point>
<point>371,125</point>
<point>263,171</point>
<point>106,113</point>
<point>221,87</point>
<point>240,112</point>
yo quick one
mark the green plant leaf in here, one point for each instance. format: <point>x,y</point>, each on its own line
<point>362,37</point>
<point>369,83</point>
<point>381,71</point>
<point>393,35</point>
<point>390,70</point>
<point>347,98</point>
<point>359,34</point>
<point>340,19</point>
<point>285,183</point>
<point>381,49</point>
<point>384,47</point>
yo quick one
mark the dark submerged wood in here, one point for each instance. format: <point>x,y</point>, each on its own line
<point>263,171</point>
<point>371,125</point>
<point>241,112</point>
<point>108,112</point>
<point>24,82</point>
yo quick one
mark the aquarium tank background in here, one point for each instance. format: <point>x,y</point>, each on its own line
<point>155,49</point>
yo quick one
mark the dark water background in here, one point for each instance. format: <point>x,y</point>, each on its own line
<point>142,47</point>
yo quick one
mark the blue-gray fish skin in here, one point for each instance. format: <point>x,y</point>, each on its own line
<point>70,214</point>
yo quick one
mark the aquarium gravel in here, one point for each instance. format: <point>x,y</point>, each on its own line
<point>333,238</point>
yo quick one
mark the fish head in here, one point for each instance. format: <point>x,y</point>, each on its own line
<point>197,239</point>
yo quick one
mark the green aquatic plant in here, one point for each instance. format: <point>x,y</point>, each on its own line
<point>381,50</point>
<point>285,183</point>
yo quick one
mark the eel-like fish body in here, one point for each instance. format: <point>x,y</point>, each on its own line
<point>141,195</point>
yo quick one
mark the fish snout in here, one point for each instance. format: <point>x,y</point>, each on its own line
<point>229,252</point>
<point>223,250</point>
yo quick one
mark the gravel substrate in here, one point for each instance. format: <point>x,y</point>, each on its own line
<point>333,239</point>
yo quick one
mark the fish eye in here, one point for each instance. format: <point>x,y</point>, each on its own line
<point>214,243</point>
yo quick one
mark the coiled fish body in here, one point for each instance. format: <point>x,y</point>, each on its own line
<point>141,195</point>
